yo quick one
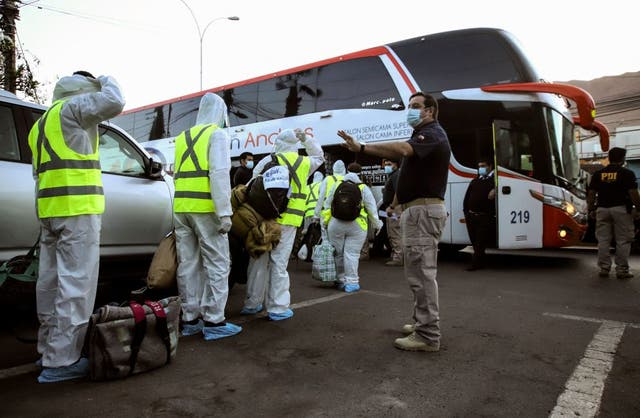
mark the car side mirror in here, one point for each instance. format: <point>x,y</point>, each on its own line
<point>154,169</point>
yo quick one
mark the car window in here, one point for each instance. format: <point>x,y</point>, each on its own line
<point>117,156</point>
<point>8,138</point>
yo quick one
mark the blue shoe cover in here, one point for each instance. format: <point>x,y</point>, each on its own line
<point>215,333</point>
<point>251,311</point>
<point>59,374</point>
<point>339,285</point>
<point>192,329</point>
<point>350,288</point>
<point>280,316</point>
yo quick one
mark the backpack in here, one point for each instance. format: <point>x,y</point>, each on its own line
<point>347,200</point>
<point>269,192</point>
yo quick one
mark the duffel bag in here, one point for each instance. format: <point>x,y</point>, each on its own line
<point>125,340</point>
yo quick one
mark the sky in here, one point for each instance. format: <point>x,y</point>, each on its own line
<point>152,47</point>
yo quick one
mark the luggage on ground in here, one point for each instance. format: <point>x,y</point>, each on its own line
<point>127,340</point>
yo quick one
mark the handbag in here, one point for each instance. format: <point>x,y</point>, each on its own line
<point>164,264</point>
<point>324,260</point>
<point>126,340</point>
<point>23,268</point>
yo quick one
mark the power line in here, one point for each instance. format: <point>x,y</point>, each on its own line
<point>96,18</point>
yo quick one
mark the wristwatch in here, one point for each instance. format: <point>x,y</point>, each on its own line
<point>362,144</point>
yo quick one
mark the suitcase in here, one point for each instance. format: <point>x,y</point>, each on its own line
<point>126,340</point>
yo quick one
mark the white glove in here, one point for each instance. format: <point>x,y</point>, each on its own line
<point>225,224</point>
<point>300,135</point>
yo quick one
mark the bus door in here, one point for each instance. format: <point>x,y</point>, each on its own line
<point>519,214</point>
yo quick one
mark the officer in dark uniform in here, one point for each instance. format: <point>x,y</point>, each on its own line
<point>615,190</point>
<point>480,212</point>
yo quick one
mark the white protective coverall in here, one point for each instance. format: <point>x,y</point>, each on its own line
<point>347,237</point>
<point>203,251</point>
<point>317,178</point>
<point>267,275</point>
<point>338,170</point>
<point>70,246</point>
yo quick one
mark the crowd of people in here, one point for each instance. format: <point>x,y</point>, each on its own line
<point>70,201</point>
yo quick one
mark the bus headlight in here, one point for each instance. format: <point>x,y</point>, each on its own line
<point>561,204</point>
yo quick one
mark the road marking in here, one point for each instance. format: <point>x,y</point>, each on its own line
<point>311,302</point>
<point>583,391</point>
<point>588,319</point>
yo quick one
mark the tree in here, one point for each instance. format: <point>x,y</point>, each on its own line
<point>15,73</point>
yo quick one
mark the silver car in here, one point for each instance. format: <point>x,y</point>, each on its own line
<point>138,194</point>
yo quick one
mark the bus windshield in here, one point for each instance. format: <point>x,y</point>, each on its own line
<point>565,161</point>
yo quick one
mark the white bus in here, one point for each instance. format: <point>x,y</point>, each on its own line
<point>491,101</point>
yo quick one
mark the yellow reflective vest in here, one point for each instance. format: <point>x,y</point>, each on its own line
<point>312,199</point>
<point>362,218</point>
<point>299,167</point>
<point>69,183</point>
<point>191,176</point>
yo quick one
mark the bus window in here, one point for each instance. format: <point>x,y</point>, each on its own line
<point>443,62</point>
<point>513,149</point>
<point>564,154</point>
<point>241,104</point>
<point>362,83</point>
<point>287,95</point>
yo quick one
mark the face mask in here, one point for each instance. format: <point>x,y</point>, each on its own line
<point>250,165</point>
<point>413,117</point>
<point>388,169</point>
<point>482,171</point>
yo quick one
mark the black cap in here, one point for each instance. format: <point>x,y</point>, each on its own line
<point>84,73</point>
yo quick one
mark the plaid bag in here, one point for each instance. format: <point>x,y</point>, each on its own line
<point>324,261</point>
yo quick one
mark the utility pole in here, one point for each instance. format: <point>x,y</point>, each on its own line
<point>9,13</point>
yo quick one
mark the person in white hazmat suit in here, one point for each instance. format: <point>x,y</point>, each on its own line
<point>70,202</point>
<point>347,237</point>
<point>267,277</point>
<point>304,252</point>
<point>338,170</point>
<point>202,216</point>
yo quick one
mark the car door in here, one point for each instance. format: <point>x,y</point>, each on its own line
<point>18,221</point>
<point>138,211</point>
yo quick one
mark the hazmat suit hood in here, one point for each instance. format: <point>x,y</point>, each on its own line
<point>212,110</point>
<point>74,85</point>
<point>339,168</point>
<point>317,177</point>
<point>354,177</point>
<point>286,141</point>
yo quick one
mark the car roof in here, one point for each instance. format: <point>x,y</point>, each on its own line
<point>8,97</point>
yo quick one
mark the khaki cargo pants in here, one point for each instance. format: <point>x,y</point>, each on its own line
<point>422,227</point>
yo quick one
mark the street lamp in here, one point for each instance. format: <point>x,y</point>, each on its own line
<point>202,33</point>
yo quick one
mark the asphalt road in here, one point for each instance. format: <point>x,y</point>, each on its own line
<point>535,331</point>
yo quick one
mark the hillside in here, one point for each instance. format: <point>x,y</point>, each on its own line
<point>617,99</point>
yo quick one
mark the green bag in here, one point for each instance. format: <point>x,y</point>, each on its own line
<point>23,268</point>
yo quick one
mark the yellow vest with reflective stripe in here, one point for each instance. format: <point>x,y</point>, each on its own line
<point>294,214</point>
<point>191,176</point>
<point>312,199</point>
<point>69,183</point>
<point>362,217</point>
<point>331,180</point>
